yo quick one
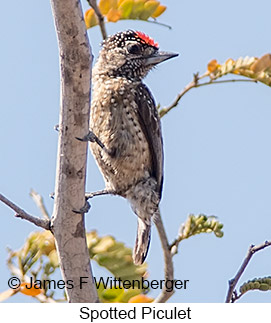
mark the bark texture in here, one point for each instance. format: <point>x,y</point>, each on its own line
<point>67,226</point>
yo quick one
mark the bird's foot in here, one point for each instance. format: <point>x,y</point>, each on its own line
<point>83,209</point>
<point>92,138</point>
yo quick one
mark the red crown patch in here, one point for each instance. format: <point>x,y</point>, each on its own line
<point>146,39</point>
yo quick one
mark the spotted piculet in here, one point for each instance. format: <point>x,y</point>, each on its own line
<point>124,118</point>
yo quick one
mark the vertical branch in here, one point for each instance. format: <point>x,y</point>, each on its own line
<point>68,227</point>
<point>169,270</point>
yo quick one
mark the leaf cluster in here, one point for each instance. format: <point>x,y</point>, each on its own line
<point>38,259</point>
<point>255,68</point>
<point>115,10</point>
<point>262,284</point>
<point>196,224</point>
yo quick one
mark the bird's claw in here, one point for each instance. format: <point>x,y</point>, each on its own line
<point>83,209</point>
<point>89,137</point>
<point>92,138</point>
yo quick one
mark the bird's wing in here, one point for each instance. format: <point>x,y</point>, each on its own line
<point>150,123</point>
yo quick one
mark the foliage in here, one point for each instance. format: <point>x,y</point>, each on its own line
<point>261,284</point>
<point>115,10</point>
<point>114,256</point>
<point>38,259</point>
<point>195,225</point>
<point>252,67</point>
<point>200,224</point>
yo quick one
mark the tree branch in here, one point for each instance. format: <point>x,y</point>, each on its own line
<point>100,17</point>
<point>69,228</point>
<point>169,271</point>
<point>157,23</point>
<point>233,282</point>
<point>37,198</point>
<point>20,213</point>
<point>99,193</point>
<point>195,83</point>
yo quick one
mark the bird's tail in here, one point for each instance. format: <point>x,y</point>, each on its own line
<point>142,242</point>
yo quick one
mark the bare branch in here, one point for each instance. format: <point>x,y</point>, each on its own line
<point>99,193</point>
<point>233,282</point>
<point>20,213</point>
<point>37,198</point>
<point>169,271</point>
<point>100,17</point>
<point>157,23</point>
<point>69,228</point>
<point>195,84</point>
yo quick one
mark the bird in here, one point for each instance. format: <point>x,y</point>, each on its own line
<point>125,130</point>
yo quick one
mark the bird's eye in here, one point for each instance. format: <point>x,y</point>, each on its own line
<point>133,49</point>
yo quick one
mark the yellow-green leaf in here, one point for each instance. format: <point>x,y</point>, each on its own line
<point>251,67</point>
<point>160,9</point>
<point>125,8</point>
<point>114,256</point>
<point>90,18</point>
<point>112,294</point>
<point>149,8</point>
<point>200,224</point>
<point>106,5</point>
<point>113,15</point>
<point>138,7</point>
<point>261,284</point>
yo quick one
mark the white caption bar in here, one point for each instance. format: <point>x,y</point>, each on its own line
<point>196,313</point>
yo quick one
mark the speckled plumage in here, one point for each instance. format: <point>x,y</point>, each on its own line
<point>125,119</point>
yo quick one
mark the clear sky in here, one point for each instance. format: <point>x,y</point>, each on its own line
<point>217,141</point>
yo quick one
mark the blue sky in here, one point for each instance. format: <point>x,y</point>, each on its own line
<point>217,141</point>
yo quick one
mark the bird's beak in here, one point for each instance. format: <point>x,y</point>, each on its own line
<point>159,57</point>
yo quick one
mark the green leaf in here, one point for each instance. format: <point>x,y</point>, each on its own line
<point>112,294</point>
<point>149,9</point>
<point>200,224</point>
<point>261,284</point>
<point>138,7</point>
<point>114,256</point>
<point>126,8</point>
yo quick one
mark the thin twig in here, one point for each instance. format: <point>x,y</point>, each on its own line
<point>37,198</point>
<point>195,84</point>
<point>169,272</point>
<point>99,193</point>
<point>233,282</point>
<point>100,17</point>
<point>157,23</point>
<point>20,213</point>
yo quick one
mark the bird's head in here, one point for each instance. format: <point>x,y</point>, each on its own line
<point>130,54</point>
